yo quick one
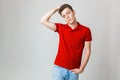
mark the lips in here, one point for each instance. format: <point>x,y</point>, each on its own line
<point>68,20</point>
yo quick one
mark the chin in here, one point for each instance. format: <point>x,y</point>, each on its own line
<point>71,22</point>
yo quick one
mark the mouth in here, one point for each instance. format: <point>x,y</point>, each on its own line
<point>69,20</point>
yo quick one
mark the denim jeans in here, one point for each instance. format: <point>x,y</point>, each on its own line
<point>60,73</point>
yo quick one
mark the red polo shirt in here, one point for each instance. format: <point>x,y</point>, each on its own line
<point>71,44</point>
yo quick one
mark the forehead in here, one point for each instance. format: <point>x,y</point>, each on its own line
<point>65,11</point>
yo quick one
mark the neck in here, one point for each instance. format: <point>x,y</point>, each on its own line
<point>73,25</point>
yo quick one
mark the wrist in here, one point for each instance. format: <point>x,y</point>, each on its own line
<point>57,8</point>
<point>81,69</point>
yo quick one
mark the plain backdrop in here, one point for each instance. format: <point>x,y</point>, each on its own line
<point>28,48</point>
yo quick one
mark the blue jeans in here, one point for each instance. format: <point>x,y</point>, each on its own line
<point>60,73</point>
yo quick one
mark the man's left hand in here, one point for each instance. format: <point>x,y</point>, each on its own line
<point>77,71</point>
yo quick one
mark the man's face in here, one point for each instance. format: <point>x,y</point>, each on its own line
<point>68,15</point>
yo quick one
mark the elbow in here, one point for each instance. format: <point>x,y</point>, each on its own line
<point>42,21</point>
<point>88,51</point>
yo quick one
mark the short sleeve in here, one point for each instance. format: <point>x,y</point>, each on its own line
<point>58,27</point>
<point>88,36</point>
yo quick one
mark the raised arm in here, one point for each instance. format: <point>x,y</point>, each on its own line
<point>45,19</point>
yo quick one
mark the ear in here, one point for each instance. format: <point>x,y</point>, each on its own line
<point>74,12</point>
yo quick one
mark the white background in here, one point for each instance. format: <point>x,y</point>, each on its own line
<point>28,48</point>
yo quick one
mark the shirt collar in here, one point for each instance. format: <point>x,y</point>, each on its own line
<point>78,26</point>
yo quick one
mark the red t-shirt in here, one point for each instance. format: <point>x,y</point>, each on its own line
<point>71,44</point>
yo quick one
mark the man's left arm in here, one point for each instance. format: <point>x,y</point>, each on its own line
<point>85,59</point>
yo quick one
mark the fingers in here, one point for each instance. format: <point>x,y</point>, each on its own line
<point>72,70</point>
<point>77,71</point>
<point>58,7</point>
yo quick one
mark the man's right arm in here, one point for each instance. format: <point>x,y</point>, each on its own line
<point>45,19</point>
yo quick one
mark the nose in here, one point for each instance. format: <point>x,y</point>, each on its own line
<point>67,17</point>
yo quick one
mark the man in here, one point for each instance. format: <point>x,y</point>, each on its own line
<point>73,38</point>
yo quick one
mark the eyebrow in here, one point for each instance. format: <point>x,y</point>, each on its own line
<point>66,12</point>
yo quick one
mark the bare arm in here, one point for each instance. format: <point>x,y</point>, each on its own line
<point>85,59</point>
<point>87,55</point>
<point>45,19</point>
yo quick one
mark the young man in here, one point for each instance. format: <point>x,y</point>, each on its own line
<point>73,37</point>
